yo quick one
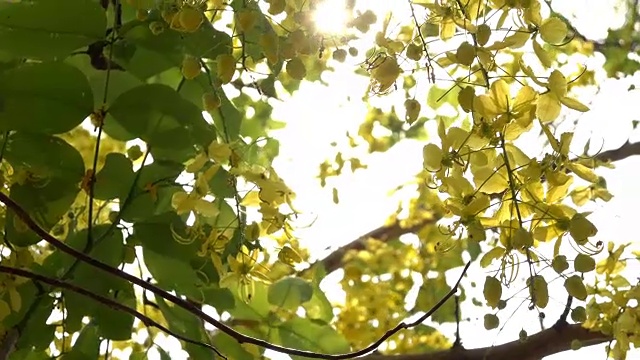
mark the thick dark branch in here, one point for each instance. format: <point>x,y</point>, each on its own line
<point>626,150</point>
<point>536,347</point>
<point>383,233</point>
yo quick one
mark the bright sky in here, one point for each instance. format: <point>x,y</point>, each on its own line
<point>316,116</point>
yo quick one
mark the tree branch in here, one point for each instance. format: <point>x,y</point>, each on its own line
<point>383,233</point>
<point>537,346</point>
<point>103,300</point>
<point>626,150</point>
<point>195,310</point>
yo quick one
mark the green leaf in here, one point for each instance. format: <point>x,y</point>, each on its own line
<point>28,354</point>
<point>220,184</point>
<point>257,308</point>
<point>37,334</point>
<point>87,346</point>
<point>438,97</point>
<point>145,54</point>
<point>112,323</point>
<point>48,29</point>
<point>318,307</point>
<point>432,291</point>
<point>184,323</point>
<point>232,350</point>
<point>290,292</point>
<point>313,336</point>
<point>155,235</point>
<point>158,115</point>
<point>151,194</point>
<point>221,299</point>
<point>115,178</point>
<point>28,293</point>
<point>227,118</point>
<point>48,98</point>
<point>55,169</point>
<point>172,274</point>
<point>109,250</point>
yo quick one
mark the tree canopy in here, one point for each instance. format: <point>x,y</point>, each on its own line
<point>143,212</point>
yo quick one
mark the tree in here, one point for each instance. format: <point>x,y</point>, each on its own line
<point>140,197</point>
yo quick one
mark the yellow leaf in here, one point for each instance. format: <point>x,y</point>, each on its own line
<point>529,72</point>
<point>539,291</point>
<point>516,156</point>
<point>553,30</point>
<point>491,181</point>
<point>557,177</point>
<point>4,309</point>
<point>500,94</point>
<point>219,152</point>
<point>581,195</point>
<point>182,202</point>
<point>533,192</point>
<point>206,208</point>
<point>197,163</point>
<point>432,157</point>
<point>478,205</point>
<point>492,291</point>
<point>289,256</point>
<point>485,105</point>
<point>522,238</point>
<point>524,99</point>
<point>583,172</point>
<point>465,54</point>
<point>15,299</point>
<point>581,229</point>
<point>548,107</point>
<point>532,13</point>
<point>483,34</point>
<point>574,104</point>
<point>447,29</point>
<point>575,287</point>
<point>466,97</point>
<point>542,54</point>
<point>517,39</point>
<point>557,193</point>
<point>558,84</point>
<point>546,233</point>
<point>565,142</point>
<point>491,255</point>
<point>486,59</point>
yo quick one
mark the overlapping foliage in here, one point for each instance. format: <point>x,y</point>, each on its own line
<point>124,137</point>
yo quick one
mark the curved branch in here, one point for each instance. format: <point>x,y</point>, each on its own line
<point>626,150</point>
<point>537,346</point>
<point>383,233</point>
<point>103,300</point>
<point>195,310</point>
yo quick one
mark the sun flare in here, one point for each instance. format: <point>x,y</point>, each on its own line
<point>331,16</point>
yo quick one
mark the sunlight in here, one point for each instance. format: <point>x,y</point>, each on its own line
<point>331,16</point>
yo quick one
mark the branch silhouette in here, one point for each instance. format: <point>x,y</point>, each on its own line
<point>193,309</point>
<point>103,300</point>
<point>537,346</point>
